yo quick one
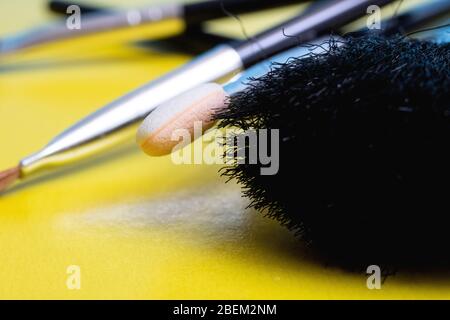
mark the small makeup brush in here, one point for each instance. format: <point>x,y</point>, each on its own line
<point>154,135</point>
<point>104,20</point>
<point>201,103</point>
<point>109,125</point>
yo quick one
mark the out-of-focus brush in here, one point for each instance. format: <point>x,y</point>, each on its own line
<point>93,20</point>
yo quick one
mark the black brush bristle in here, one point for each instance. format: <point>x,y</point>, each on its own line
<point>364,161</point>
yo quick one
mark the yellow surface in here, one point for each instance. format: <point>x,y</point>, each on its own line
<point>138,227</point>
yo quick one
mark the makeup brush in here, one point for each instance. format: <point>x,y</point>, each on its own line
<point>362,150</point>
<point>155,135</point>
<point>104,20</point>
<point>198,105</point>
<point>108,125</point>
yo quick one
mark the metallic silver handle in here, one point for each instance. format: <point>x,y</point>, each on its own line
<point>103,127</point>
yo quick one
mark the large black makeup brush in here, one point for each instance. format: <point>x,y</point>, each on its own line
<point>364,167</point>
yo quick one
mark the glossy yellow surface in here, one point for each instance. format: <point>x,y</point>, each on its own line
<point>138,227</point>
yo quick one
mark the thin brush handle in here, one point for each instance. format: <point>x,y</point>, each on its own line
<point>109,125</point>
<point>90,23</point>
<point>106,20</point>
<point>58,6</point>
<point>194,13</point>
<point>330,16</point>
<point>405,22</point>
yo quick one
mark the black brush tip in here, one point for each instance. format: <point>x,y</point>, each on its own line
<point>364,166</point>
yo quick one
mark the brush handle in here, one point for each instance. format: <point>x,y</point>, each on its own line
<point>198,12</point>
<point>194,13</point>
<point>329,17</point>
<point>113,123</point>
<point>60,7</point>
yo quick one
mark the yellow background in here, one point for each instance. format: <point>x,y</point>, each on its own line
<point>139,227</point>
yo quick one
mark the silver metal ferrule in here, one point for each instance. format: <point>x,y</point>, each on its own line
<point>109,125</point>
<point>90,23</point>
